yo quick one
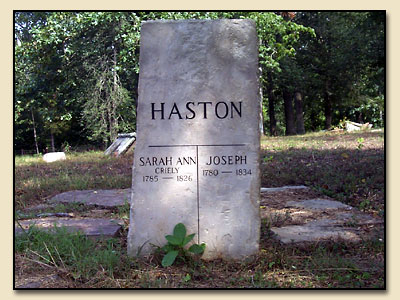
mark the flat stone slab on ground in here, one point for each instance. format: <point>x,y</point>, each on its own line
<point>105,198</point>
<point>96,228</point>
<point>282,188</point>
<point>357,218</point>
<point>318,204</point>
<point>339,223</point>
<point>314,232</point>
<point>118,197</point>
<point>300,217</point>
<point>301,234</point>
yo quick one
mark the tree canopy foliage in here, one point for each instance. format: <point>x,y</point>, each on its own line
<point>76,73</point>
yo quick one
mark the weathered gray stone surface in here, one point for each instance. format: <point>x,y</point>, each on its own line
<point>320,230</point>
<point>329,219</point>
<point>283,188</point>
<point>321,220</point>
<point>116,197</point>
<point>197,148</point>
<point>103,198</point>
<point>96,228</point>
<point>357,218</point>
<point>318,204</point>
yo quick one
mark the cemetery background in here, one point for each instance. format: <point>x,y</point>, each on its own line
<point>76,74</point>
<point>334,164</point>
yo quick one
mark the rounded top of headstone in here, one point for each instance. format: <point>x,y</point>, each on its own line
<point>193,20</point>
<point>197,21</point>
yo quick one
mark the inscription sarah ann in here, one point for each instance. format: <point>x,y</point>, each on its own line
<point>181,161</point>
<point>169,165</point>
<point>166,161</point>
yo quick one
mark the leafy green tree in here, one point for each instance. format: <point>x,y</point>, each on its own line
<point>278,35</point>
<point>25,104</point>
<point>76,68</point>
<point>40,80</point>
<point>107,45</point>
<point>346,57</point>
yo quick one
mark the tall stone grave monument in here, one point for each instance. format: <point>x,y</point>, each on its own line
<point>196,159</point>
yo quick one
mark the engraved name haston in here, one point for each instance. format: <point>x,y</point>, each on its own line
<point>191,110</point>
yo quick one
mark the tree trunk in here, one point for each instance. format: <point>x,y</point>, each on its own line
<point>271,105</point>
<point>328,111</point>
<point>271,113</point>
<point>341,113</point>
<point>328,107</point>
<point>298,103</point>
<point>115,99</point>
<point>360,118</point>
<point>289,114</point>
<point>34,132</point>
<point>52,141</point>
<point>261,107</point>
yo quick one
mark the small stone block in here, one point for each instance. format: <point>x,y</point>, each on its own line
<point>282,188</point>
<point>96,228</point>
<point>104,198</point>
<point>306,233</point>
<point>318,204</point>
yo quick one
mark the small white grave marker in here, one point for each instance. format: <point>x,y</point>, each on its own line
<point>54,156</point>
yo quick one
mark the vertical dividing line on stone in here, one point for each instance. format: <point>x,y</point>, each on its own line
<point>198,194</point>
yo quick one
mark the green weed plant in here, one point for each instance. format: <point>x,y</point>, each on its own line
<point>176,246</point>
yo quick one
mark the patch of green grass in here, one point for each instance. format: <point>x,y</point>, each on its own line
<point>341,265</point>
<point>106,265</point>
<point>123,211</point>
<point>22,160</point>
<point>71,253</point>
